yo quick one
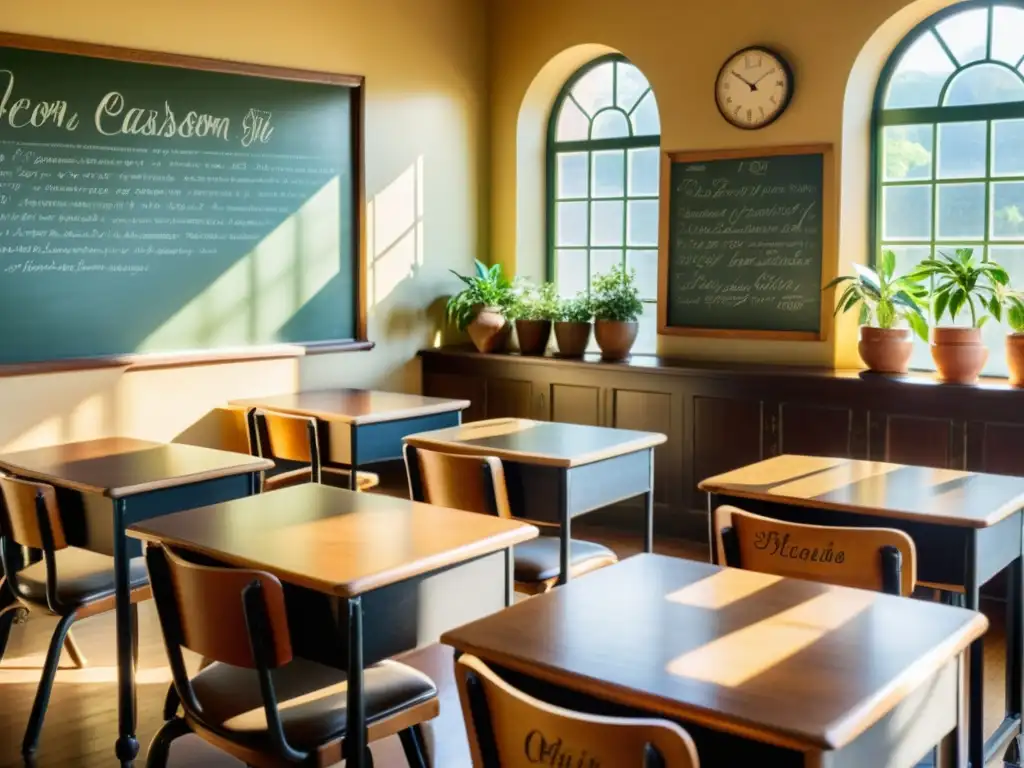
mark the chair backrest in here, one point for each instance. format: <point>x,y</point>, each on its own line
<point>881,559</point>
<point>238,431</point>
<point>31,515</point>
<point>469,483</point>
<point>286,436</point>
<point>510,729</point>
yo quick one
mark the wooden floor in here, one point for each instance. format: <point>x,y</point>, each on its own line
<point>81,723</point>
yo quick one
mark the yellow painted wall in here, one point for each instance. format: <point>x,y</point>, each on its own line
<point>425,63</point>
<point>680,46</point>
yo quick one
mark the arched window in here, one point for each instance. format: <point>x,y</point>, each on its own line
<point>949,145</point>
<point>602,179</point>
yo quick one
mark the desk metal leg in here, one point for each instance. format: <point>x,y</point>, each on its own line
<point>649,506</point>
<point>356,735</point>
<point>127,746</point>
<point>564,529</point>
<point>1014,652</point>
<point>510,577</point>
<point>975,685</point>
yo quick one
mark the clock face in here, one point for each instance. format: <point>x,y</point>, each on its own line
<point>753,88</point>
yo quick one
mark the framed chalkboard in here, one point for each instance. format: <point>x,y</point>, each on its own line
<point>747,242</point>
<point>155,206</point>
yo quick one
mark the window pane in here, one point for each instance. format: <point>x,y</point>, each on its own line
<point>571,228</point>
<point>920,75</point>
<point>1008,210</point>
<point>644,168</point>
<point>610,124</point>
<point>629,86</point>
<point>961,211</point>
<point>609,175</point>
<point>984,84</point>
<point>966,34</point>
<point>907,213</point>
<point>908,256</point>
<point>594,90</point>
<point>606,222</point>
<point>570,272</point>
<point>572,125</point>
<point>572,177</point>
<point>601,261</point>
<point>1008,34</point>
<point>645,117</point>
<point>646,265</point>
<point>961,150</point>
<point>908,152</point>
<point>647,334</point>
<point>642,222</point>
<point>1008,147</point>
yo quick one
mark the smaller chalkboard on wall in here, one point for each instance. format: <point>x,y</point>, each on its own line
<point>747,241</point>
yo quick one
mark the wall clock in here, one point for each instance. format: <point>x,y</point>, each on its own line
<point>754,87</point>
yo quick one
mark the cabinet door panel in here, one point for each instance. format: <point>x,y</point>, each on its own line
<point>1002,449</point>
<point>458,387</point>
<point>652,412</point>
<point>727,434</point>
<point>509,398</point>
<point>576,405</point>
<point>815,430</point>
<point>921,440</point>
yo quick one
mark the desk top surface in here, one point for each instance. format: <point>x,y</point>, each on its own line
<point>355,406</point>
<point>795,663</point>
<point>123,466</point>
<point>537,442</point>
<point>332,540</point>
<point>946,496</point>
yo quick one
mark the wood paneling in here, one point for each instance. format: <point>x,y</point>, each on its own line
<point>652,412</point>
<point>727,434</point>
<point>923,440</point>
<point>509,397</point>
<point>814,430</point>
<point>576,405</point>
<point>1002,448</point>
<point>459,387</point>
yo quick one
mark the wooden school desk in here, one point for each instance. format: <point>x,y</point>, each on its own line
<point>366,576</point>
<point>360,426</point>
<point>967,527</point>
<point>555,472</point>
<point>761,670</point>
<point>103,486</point>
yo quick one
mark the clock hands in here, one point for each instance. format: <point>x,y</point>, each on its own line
<point>762,77</point>
<point>753,87</point>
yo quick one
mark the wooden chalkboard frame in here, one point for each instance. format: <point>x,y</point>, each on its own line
<point>356,83</point>
<point>829,239</point>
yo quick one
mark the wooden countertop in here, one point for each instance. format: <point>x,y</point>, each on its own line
<point>354,406</point>
<point>123,466</point>
<point>537,442</point>
<point>795,663</point>
<point>333,540</point>
<point>946,496</point>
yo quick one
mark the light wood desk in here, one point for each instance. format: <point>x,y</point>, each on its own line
<point>358,426</point>
<point>555,472</point>
<point>761,670</point>
<point>967,527</point>
<point>104,486</point>
<point>366,576</point>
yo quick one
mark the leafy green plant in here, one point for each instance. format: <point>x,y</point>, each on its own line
<point>535,303</point>
<point>964,281</point>
<point>1010,303</point>
<point>883,298</point>
<point>578,309</point>
<point>615,296</point>
<point>488,287</point>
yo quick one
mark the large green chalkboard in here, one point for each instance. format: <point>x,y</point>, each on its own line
<point>160,204</point>
<point>743,241</point>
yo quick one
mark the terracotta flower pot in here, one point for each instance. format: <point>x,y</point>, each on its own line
<point>886,350</point>
<point>533,336</point>
<point>959,354</point>
<point>572,338</point>
<point>615,338</point>
<point>1015,358</point>
<point>489,330</point>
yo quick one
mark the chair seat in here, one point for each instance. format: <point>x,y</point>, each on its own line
<point>82,577</point>
<point>311,698</point>
<point>539,559</point>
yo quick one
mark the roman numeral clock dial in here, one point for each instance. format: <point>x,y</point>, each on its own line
<point>754,87</point>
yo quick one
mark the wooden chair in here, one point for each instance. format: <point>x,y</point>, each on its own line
<point>510,729</point>
<point>477,484</point>
<point>255,701</point>
<point>68,582</point>
<point>879,559</point>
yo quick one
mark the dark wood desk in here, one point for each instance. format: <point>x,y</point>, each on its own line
<point>126,480</point>
<point>358,426</point>
<point>761,670</point>
<point>366,576</point>
<point>555,472</point>
<point>967,527</point>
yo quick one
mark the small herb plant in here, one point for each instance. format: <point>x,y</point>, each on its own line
<point>965,281</point>
<point>535,303</point>
<point>575,310</point>
<point>488,287</point>
<point>1010,303</point>
<point>615,296</point>
<point>884,299</point>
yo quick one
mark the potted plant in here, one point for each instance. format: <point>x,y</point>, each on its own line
<point>961,281</point>
<point>1012,302</point>
<point>480,308</point>
<point>617,307</point>
<point>572,325</point>
<point>884,301</point>
<point>533,310</point>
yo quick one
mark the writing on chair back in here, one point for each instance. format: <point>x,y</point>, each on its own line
<point>880,559</point>
<point>510,729</point>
